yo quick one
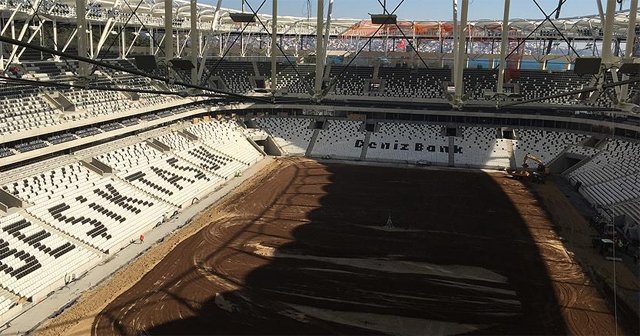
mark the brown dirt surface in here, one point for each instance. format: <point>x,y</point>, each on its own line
<point>305,251</point>
<point>78,319</point>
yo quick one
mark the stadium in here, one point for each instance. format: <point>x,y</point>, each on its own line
<point>184,167</point>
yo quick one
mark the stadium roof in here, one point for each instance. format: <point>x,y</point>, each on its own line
<point>151,12</point>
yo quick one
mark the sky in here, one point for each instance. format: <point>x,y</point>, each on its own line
<point>427,9</point>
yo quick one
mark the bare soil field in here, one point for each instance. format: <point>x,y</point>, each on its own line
<point>308,250</point>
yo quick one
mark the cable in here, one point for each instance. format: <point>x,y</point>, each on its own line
<point>35,12</point>
<point>9,40</point>
<point>309,88</point>
<point>154,41</point>
<point>99,88</point>
<point>405,36</point>
<point>26,22</point>
<point>559,95</point>
<point>531,32</point>
<point>122,29</point>
<point>215,67</point>
<point>613,232</point>
<point>334,80</point>
<point>555,27</point>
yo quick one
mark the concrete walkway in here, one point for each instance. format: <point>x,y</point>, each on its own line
<point>61,299</point>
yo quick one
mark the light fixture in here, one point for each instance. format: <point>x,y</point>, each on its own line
<point>384,19</point>
<point>242,17</point>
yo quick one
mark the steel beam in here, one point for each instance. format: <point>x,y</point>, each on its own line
<point>135,37</point>
<point>108,27</point>
<point>504,44</point>
<point>195,41</point>
<point>123,41</point>
<point>455,39</point>
<point>168,35</point>
<point>207,44</point>
<point>631,39</point>
<point>82,43</point>
<point>461,57</point>
<point>607,34</point>
<point>274,41</point>
<point>319,48</point>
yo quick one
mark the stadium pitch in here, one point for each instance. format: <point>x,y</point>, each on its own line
<point>308,250</point>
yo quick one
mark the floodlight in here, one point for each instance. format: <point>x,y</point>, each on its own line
<point>587,65</point>
<point>630,68</point>
<point>146,62</point>
<point>242,17</point>
<point>181,64</point>
<point>384,19</point>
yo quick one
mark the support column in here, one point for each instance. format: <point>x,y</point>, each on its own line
<point>319,48</point>
<point>81,17</point>
<point>208,44</point>
<point>274,40</point>
<point>461,55</point>
<point>123,42</point>
<point>607,35</point>
<point>631,39</point>
<point>327,33</point>
<point>195,42</point>
<point>91,50</point>
<point>455,40</point>
<point>55,35</point>
<point>168,35</point>
<point>504,43</point>
<point>55,40</point>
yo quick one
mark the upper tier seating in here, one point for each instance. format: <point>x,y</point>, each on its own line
<point>235,75</point>
<point>295,80</point>
<point>291,134</point>
<point>24,109</point>
<point>352,79</point>
<point>339,139</point>
<point>418,83</point>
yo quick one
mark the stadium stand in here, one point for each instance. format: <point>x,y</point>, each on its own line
<point>612,177</point>
<point>101,212</point>
<point>75,213</point>
<point>291,134</point>
<point>409,142</point>
<point>482,148</point>
<point>582,150</point>
<point>544,144</point>
<point>160,174</point>
<point>205,158</point>
<point>35,260</point>
<point>227,139</point>
<point>338,140</point>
